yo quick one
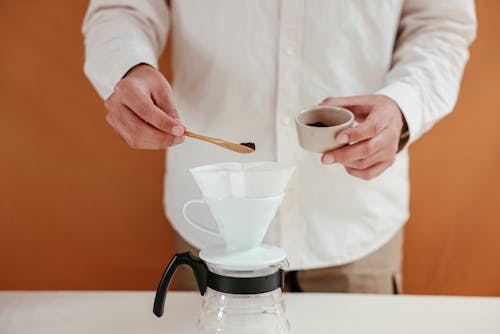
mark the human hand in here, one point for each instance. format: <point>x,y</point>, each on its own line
<point>374,141</point>
<point>142,111</point>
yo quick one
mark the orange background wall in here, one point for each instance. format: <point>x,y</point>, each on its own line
<point>80,210</point>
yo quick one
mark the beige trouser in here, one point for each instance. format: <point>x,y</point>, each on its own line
<point>378,272</point>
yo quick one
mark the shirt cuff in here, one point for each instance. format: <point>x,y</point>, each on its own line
<point>113,68</point>
<point>408,101</point>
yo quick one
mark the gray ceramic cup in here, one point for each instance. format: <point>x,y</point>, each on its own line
<point>321,138</point>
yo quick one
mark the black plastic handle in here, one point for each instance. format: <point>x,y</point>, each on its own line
<point>200,271</point>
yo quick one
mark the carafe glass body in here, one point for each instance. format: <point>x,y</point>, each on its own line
<point>231,313</point>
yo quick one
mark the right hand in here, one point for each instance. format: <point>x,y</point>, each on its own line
<point>142,111</point>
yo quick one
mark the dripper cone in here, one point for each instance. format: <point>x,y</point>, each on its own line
<point>243,222</point>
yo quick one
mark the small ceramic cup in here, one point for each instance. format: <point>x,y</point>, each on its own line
<point>318,126</point>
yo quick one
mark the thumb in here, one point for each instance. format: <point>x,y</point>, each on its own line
<point>345,101</point>
<point>356,104</point>
<point>163,98</point>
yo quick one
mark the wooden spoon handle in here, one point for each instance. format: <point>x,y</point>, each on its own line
<point>201,137</point>
<point>227,145</point>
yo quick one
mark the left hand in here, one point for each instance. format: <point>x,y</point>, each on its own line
<point>374,141</point>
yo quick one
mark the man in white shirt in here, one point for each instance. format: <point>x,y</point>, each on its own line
<point>244,69</point>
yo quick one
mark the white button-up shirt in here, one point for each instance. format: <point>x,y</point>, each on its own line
<point>244,69</point>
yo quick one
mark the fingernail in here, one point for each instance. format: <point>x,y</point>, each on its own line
<point>178,140</point>
<point>177,130</point>
<point>342,139</point>
<point>328,159</point>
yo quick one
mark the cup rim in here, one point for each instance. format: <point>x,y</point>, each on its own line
<point>344,110</point>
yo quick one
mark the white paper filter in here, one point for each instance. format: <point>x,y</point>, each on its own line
<point>242,180</point>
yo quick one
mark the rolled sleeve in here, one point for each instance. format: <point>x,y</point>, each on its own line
<point>118,36</point>
<point>429,59</point>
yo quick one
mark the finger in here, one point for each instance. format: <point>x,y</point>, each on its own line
<point>371,172</point>
<point>382,155</point>
<point>163,98</point>
<point>359,150</point>
<point>138,134</point>
<point>370,127</point>
<point>143,106</point>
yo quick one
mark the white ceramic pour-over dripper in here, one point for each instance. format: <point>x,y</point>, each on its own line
<point>243,198</point>
<point>241,222</point>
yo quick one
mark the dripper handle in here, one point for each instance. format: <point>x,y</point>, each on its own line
<point>200,271</point>
<point>196,225</point>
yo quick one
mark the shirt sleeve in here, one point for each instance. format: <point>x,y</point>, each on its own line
<point>120,34</point>
<point>429,59</point>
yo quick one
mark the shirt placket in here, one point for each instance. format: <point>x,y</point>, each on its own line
<point>287,105</point>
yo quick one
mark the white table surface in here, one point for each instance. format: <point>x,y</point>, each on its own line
<point>131,312</point>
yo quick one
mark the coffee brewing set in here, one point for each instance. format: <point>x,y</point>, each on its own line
<point>240,278</point>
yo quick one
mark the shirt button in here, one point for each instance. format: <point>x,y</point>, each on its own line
<point>289,51</point>
<point>285,120</point>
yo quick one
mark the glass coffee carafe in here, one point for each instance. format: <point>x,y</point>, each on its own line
<point>233,301</point>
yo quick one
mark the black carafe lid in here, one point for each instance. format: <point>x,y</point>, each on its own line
<point>205,278</point>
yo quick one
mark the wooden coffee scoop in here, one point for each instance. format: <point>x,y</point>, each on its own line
<point>240,148</point>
